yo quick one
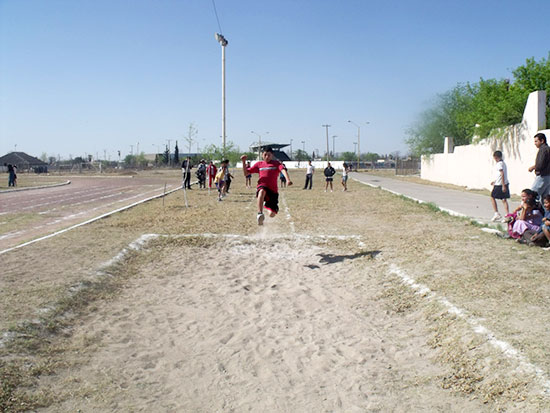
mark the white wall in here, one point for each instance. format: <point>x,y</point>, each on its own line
<point>319,165</point>
<point>472,165</point>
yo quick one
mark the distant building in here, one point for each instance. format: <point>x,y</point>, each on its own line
<point>24,162</point>
<point>277,153</point>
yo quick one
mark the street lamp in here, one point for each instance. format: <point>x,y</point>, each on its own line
<point>326,127</point>
<point>304,145</point>
<point>358,142</point>
<point>259,144</point>
<point>223,42</point>
<point>291,149</point>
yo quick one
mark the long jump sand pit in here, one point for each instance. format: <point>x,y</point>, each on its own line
<point>356,301</point>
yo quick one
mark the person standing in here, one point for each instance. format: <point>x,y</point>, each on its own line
<point>501,186</point>
<point>201,174</point>
<point>345,176</point>
<point>310,170</point>
<point>267,192</point>
<point>211,171</point>
<point>248,177</point>
<point>186,171</point>
<point>329,176</point>
<point>11,175</point>
<point>541,185</point>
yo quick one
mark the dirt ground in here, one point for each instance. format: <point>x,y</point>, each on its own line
<point>356,301</point>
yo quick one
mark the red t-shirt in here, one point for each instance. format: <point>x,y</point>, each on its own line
<point>269,173</point>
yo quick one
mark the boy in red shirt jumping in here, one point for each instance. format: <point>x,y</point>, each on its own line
<point>266,190</point>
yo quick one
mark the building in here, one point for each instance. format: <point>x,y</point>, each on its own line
<point>277,152</point>
<point>24,163</point>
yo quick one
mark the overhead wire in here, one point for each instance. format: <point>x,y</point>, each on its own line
<point>217,18</point>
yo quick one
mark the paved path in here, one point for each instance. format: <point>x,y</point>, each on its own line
<point>455,202</point>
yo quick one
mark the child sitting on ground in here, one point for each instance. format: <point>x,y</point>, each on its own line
<point>542,237</point>
<point>527,217</point>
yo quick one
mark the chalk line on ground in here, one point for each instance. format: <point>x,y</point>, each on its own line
<point>88,221</point>
<point>507,349</point>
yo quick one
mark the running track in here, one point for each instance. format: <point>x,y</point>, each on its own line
<point>26,215</point>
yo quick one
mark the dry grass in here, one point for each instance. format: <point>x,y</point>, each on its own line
<point>500,282</point>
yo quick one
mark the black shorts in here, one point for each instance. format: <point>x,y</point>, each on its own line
<point>271,199</point>
<point>329,178</point>
<point>498,193</point>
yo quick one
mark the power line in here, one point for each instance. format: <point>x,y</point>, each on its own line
<point>216,13</point>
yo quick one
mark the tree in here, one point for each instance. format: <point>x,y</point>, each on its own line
<point>301,155</point>
<point>478,109</point>
<point>166,156</point>
<point>176,154</point>
<point>348,156</point>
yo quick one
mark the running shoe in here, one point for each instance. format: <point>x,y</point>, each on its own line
<point>260,218</point>
<point>496,217</point>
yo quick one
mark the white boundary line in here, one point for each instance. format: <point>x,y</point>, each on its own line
<point>507,349</point>
<point>29,188</point>
<point>288,217</point>
<point>88,221</point>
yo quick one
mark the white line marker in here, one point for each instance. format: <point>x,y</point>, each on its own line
<point>88,221</point>
<point>476,326</point>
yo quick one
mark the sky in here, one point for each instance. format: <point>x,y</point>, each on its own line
<point>98,76</point>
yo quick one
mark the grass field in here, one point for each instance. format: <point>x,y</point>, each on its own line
<point>50,288</point>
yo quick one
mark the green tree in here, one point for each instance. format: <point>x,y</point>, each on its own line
<point>535,76</point>
<point>348,156</point>
<point>176,154</point>
<point>301,155</point>
<point>477,109</point>
<point>166,156</point>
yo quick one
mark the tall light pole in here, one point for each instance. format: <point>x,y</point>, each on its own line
<point>223,42</point>
<point>291,149</point>
<point>259,143</point>
<point>333,150</point>
<point>358,142</point>
<point>326,128</point>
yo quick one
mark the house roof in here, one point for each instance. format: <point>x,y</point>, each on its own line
<point>21,159</point>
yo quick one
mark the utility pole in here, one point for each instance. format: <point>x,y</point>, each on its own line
<point>333,150</point>
<point>326,127</point>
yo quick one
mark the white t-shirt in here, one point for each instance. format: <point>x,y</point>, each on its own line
<point>310,169</point>
<point>500,166</point>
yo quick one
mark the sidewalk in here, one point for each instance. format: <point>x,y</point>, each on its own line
<point>459,203</point>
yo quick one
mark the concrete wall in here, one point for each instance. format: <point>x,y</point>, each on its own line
<point>319,165</point>
<point>472,165</point>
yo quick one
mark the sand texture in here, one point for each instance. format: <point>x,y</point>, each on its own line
<point>270,322</point>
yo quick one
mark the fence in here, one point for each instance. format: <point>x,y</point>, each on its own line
<point>408,166</point>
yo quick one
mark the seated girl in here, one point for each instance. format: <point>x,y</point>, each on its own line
<point>527,217</point>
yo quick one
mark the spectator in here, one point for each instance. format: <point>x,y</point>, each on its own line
<point>211,171</point>
<point>201,174</point>
<point>282,177</point>
<point>501,188</point>
<point>542,237</point>
<point>527,217</point>
<point>309,175</point>
<point>541,185</point>
<point>329,176</point>
<point>345,171</point>
<point>186,170</point>
<point>248,176</point>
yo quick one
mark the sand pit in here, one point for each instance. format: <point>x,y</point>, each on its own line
<point>270,322</point>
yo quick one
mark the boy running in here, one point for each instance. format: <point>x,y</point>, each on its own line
<point>266,190</point>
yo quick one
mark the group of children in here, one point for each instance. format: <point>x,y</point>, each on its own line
<point>529,223</point>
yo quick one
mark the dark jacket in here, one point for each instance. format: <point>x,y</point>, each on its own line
<point>329,171</point>
<point>542,164</point>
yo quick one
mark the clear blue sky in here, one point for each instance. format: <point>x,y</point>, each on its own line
<point>87,76</point>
